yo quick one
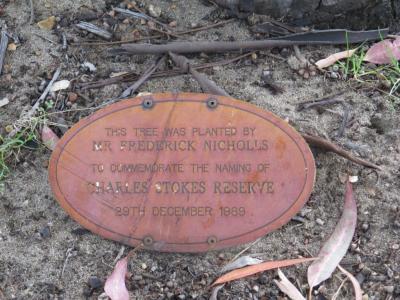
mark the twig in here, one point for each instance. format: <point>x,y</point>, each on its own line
<point>3,48</point>
<point>133,76</point>
<point>329,146</point>
<point>331,37</point>
<point>206,84</point>
<point>64,42</point>
<point>146,75</point>
<point>203,46</point>
<point>345,120</point>
<point>326,100</point>
<point>156,36</point>
<point>244,250</point>
<point>26,117</point>
<point>68,255</point>
<point>119,255</point>
<point>206,27</point>
<point>45,38</point>
<point>94,29</point>
<point>136,15</point>
<point>32,17</point>
<point>150,18</point>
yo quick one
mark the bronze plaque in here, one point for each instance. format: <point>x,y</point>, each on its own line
<point>182,172</point>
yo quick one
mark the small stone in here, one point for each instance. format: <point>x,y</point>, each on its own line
<point>137,277</point>
<point>256,288</point>
<point>72,97</point>
<point>25,165</point>
<point>45,232</point>
<point>9,128</point>
<point>144,266</point>
<point>4,102</point>
<point>173,24</point>
<point>388,289</point>
<point>89,66</point>
<point>365,227</point>
<point>335,68</point>
<point>60,85</point>
<point>12,47</point>
<point>45,163</point>
<point>170,284</point>
<point>48,23</point>
<point>221,256</point>
<point>154,11</point>
<point>263,279</point>
<point>396,247</point>
<point>94,282</point>
<point>254,57</point>
<point>181,297</point>
<point>360,278</point>
<point>365,297</point>
<point>319,221</point>
<point>170,295</point>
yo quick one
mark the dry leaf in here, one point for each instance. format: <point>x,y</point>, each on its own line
<point>49,138</point>
<point>265,266</point>
<point>240,263</point>
<point>60,85</point>
<point>384,52</point>
<point>115,284</point>
<point>354,281</point>
<point>332,59</point>
<point>336,247</point>
<point>48,23</point>
<point>288,288</point>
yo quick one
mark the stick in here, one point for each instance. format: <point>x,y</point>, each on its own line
<point>205,46</point>
<point>133,76</point>
<point>94,29</point>
<point>326,100</point>
<point>330,147</point>
<point>3,48</point>
<point>32,17</point>
<point>146,75</point>
<point>153,36</point>
<point>206,84</point>
<point>26,117</point>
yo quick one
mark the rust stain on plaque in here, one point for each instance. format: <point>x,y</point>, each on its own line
<point>182,172</point>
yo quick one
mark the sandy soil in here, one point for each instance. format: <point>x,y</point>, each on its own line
<point>44,254</point>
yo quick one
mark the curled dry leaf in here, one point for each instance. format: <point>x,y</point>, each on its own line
<point>332,59</point>
<point>240,263</point>
<point>354,281</point>
<point>265,266</point>
<point>384,52</point>
<point>288,288</point>
<point>115,284</point>
<point>214,293</point>
<point>336,247</point>
<point>49,138</point>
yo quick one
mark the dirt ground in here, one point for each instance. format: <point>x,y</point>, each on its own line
<point>44,254</point>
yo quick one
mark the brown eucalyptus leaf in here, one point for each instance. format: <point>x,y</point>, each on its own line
<point>332,59</point>
<point>384,52</point>
<point>265,266</point>
<point>115,287</point>
<point>49,138</point>
<point>336,247</point>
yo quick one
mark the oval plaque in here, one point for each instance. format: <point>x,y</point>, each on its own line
<point>182,172</point>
